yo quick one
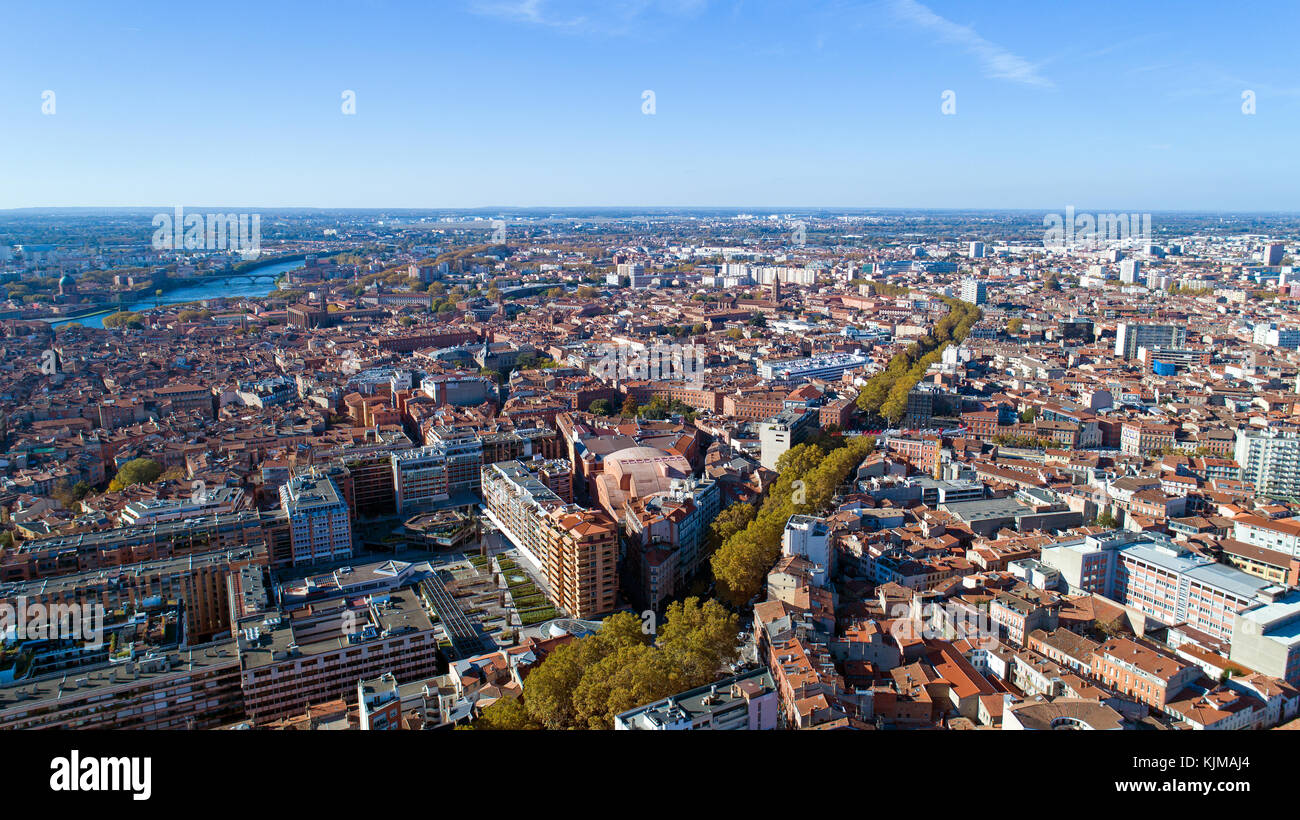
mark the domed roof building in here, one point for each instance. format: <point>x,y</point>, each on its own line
<point>637,472</point>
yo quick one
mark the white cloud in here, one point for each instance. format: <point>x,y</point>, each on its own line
<point>996,60</point>
<point>609,16</point>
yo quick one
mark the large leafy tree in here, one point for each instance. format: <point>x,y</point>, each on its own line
<point>135,471</point>
<point>585,683</point>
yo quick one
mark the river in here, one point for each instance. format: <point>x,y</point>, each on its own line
<point>229,287</point>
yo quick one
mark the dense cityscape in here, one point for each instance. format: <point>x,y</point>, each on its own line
<point>647,469</point>
<point>406,398</point>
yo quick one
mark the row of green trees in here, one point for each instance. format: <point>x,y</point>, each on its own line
<point>585,683</point>
<point>885,394</point>
<point>751,541</point>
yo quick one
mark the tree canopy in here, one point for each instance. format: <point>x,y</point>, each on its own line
<point>885,394</point>
<point>585,683</point>
<point>135,471</point>
<point>807,480</point>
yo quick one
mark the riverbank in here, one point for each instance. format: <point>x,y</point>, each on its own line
<point>250,283</point>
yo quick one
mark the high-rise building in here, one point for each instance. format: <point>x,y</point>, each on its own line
<point>1273,253</point>
<point>977,250</point>
<point>636,275</point>
<point>576,549</point>
<point>1271,461</point>
<point>782,432</point>
<point>1129,337</point>
<point>974,291</point>
<point>1129,270</point>
<point>320,525</point>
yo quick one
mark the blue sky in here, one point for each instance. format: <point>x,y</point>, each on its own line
<point>467,103</point>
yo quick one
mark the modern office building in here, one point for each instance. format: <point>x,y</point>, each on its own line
<point>817,367</point>
<point>437,474</point>
<point>320,525</point>
<point>1159,577</point>
<point>1129,337</point>
<point>1269,459</point>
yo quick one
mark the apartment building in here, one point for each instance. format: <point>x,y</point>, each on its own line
<point>974,291</point>
<point>582,561</point>
<point>182,398</point>
<point>1017,615</point>
<point>368,458</point>
<point>1271,565</point>
<point>50,557</point>
<point>1142,673</point>
<point>199,582</point>
<point>379,703</point>
<point>659,520</point>
<point>320,523</point>
<point>1142,438</point>
<point>1270,460</point>
<point>193,688</point>
<point>924,453</point>
<point>1280,535</point>
<point>576,549</point>
<point>809,537</point>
